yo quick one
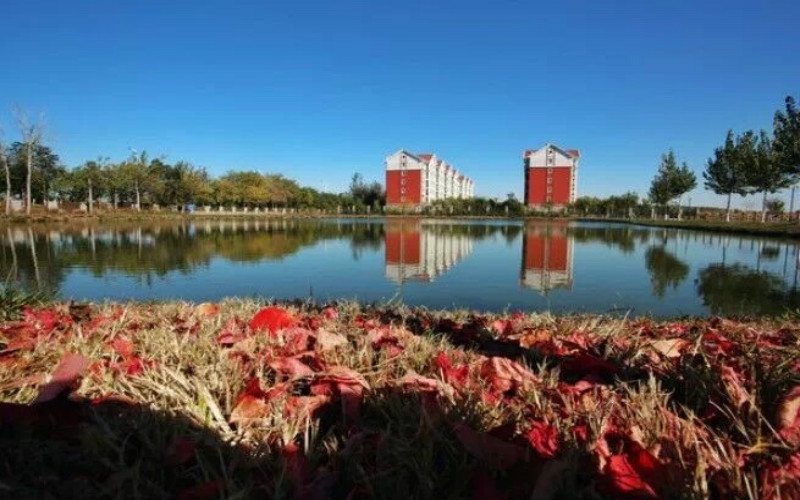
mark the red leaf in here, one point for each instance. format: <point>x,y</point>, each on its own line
<point>489,450</point>
<point>272,319</point>
<point>297,465</point>
<point>543,437</point>
<point>64,377</point>
<point>632,474</point>
<point>457,377</point>
<point>789,417</point>
<point>330,313</point>
<point>122,347</point>
<point>504,375</point>
<point>589,365</point>
<point>291,366</point>
<point>204,491</point>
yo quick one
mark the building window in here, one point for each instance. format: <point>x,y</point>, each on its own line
<point>549,180</point>
<point>549,170</point>
<point>549,189</point>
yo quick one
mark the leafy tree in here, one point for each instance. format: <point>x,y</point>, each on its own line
<point>725,173</point>
<point>368,195</point>
<point>7,169</point>
<point>141,177</point>
<point>46,168</point>
<point>91,175</point>
<point>184,183</point>
<point>775,206</point>
<point>671,182</point>
<point>115,182</point>
<point>766,174</point>
<point>786,127</point>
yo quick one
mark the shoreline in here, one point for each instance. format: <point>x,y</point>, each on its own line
<point>244,398</point>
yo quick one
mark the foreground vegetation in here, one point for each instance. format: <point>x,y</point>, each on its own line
<point>238,400</point>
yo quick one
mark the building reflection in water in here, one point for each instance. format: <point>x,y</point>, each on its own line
<point>547,256</point>
<point>418,250</point>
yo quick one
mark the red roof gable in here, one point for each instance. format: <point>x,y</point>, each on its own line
<point>574,153</point>
<point>425,157</point>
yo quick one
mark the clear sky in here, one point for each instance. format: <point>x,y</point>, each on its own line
<point>319,90</point>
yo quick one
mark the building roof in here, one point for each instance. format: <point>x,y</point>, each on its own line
<point>572,153</point>
<point>426,157</point>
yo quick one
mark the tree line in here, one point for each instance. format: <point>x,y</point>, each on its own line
<point>34,172</point>
<point>746,163</point>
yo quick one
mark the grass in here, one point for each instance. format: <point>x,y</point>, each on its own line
<point>786,229</point>
<point>177,400</point>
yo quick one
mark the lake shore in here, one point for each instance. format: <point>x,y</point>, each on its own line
<point>249,400</point>
<point>775,229</point>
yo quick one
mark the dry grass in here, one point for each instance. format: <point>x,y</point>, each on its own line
<point>160,411</point>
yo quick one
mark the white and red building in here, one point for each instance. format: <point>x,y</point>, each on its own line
<point>551,176</point>
<point>421,250</point>
<point>547,257</point>
<point>418,179</point>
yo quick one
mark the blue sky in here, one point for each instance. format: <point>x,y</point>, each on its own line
<point>318,90</point>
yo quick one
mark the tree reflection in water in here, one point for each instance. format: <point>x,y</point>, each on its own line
<point>665,270</point>
<point>740,290</point>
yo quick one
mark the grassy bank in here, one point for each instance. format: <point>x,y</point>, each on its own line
<point>239,400</point>
<point>778,229</point>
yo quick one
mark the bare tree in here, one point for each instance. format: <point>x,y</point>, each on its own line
<point>7,168</point>
<point>32,132</point>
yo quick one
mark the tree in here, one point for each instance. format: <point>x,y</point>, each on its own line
<point>671,182</point>
<point>368,195</point>
<point>141,175</point>
<point>766,174</point>
<point>31,137</point>
<point>660,191</point>
<point>115,182</point>
<point>184,183</point>
<point>786,128</point>
<point>7,169</point>
<point>775,206</point>
<point>92,175</point>
<point>725,172</point>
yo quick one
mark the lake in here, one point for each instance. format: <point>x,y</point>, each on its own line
<point>553,266</point>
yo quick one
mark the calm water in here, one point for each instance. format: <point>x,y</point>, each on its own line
<point>533,265</point>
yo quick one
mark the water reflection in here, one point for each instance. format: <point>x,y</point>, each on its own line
<point>422,250</point>
<point>534,265</point>
<point>547,257</point>
<point>665,269</point>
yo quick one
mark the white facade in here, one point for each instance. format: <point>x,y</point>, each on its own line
<point>439,180</point>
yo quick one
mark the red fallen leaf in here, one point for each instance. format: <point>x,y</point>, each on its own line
<point>671,348</point>
<point>502,326</point>
<point>340,381</point>
<point>491,451</point>
<point>272,319</point>
<point>329,313</point>
<point>717,344</point>
<point>581,432</point>
<point>457,377</point>
<point>180,451</point>
<point>734,385</point>
<point>327,340</point>
<point>291,366</point>
<point>64,377</point>
<point>632,474</point>
<point>298,340</point>
<point>789,417</point>
<point>504,375</point>
<point>247,409</point>
<point>228,339</point>
<point>207,309</point>
<point>577,340</point>
<point>589,365</point>
<point>306,406</point>
<point>782,482</point>
<point>382,338</point>
<point>209,490</point>
<point>414,382</point>
<point>44,319</point>
<point>543,437</point>
<point>122,347</point>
